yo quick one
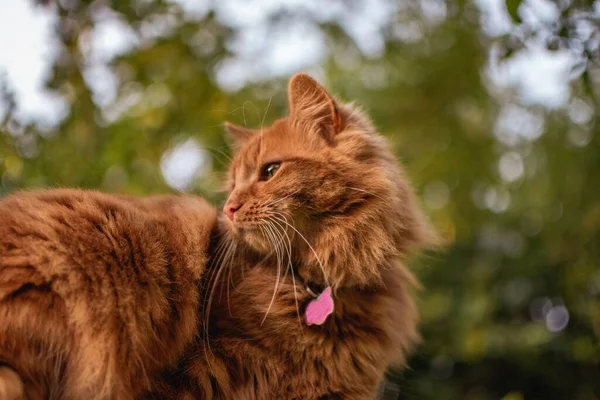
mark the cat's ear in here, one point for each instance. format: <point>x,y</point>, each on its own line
<point>237,135</point>
<point>313,107</point>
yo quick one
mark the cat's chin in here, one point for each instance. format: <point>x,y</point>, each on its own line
<point>254,239</point>
<point>251,236</point>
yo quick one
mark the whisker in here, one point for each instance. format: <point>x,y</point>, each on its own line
<point>244,111</point>
<point>268,204</point>
<point>275,224</point>
<point>281,242</point>
<point>229,278</point>
<point>220,151</point>
<point>225,264</point>
<point>216,261</point>
<point>262,123</point>
<point>223,250</point>
<point>219,253</point>
<point>306,241</point>
<point>291,269</point>
<point>279,259</point>
<point>366,191</point>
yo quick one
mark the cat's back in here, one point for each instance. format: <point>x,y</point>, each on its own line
<point>99,291</point>
<point>79,227</point>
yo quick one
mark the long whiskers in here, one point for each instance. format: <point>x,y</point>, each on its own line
<point>271,203</point>
<point>270,229</point>
<point>290,268</point>
<point>222,260</point>
<point>274,228</point>
<point>280,216</point>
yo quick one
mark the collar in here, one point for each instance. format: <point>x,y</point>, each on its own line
<point>313,289</point>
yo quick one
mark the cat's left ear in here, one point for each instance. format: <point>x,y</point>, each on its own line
<point>314,108</point>
<point>237,135</point>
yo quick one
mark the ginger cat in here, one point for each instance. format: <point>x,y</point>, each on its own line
<point>297,290</point>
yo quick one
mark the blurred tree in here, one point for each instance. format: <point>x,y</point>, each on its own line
<point>511,310</point>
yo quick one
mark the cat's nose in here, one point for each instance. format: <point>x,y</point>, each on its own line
<point>230,208</point>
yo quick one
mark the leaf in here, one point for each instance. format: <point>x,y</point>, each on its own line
<point>512,6</point>
<point>588,86</point>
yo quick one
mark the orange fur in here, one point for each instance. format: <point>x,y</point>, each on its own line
<point>98,293</point>
<point>113,297</point>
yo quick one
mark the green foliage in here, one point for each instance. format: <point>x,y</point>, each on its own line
<point>521,216</point>
<point>512,6</point>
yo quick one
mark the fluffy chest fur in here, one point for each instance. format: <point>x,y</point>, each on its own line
<point>250,356</point>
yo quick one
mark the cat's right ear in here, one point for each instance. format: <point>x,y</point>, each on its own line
<point>313,107</point>
<point>237,135</point>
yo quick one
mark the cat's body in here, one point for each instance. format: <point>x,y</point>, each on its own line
<point>97,292</point>
<point>116,297</point>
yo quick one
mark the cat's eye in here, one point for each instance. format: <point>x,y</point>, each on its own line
<point>269,170</point>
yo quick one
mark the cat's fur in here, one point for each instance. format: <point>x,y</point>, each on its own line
<point>98,293</point>
<point>115,297</point>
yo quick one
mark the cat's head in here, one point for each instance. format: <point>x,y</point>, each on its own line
<point>323,183</point>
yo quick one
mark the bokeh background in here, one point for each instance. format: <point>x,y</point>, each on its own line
<point>492,106</point>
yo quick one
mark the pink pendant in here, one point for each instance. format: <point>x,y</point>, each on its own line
<point>319,309</point>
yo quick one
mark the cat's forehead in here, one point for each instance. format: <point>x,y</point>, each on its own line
<point>268,144</point>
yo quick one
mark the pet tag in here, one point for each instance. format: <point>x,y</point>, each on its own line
<point>319,309</point>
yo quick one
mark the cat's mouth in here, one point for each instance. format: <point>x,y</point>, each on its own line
<point>241,230</point>
<point>264,233</point>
